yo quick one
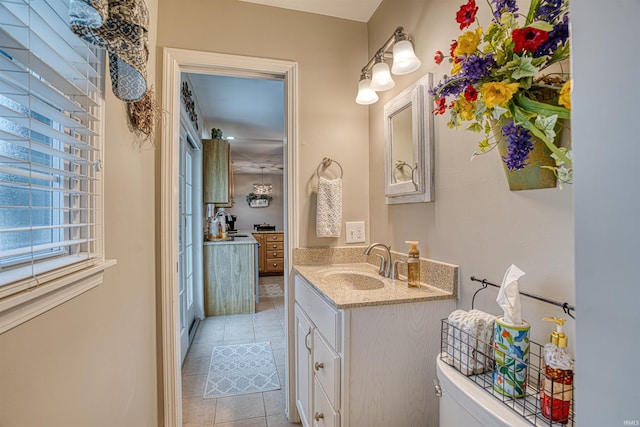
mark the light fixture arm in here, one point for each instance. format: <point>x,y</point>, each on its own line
<point>397,36</point>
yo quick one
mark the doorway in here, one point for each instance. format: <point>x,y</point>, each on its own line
<point>175,62</point>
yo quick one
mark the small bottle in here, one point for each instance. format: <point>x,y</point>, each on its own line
<point>413,265</point>
<point>212,229</point>
<point>556,388</point>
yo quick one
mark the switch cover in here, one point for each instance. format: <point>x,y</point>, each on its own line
<point>355,232</point>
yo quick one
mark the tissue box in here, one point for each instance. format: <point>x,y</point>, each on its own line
<point>469,341</point>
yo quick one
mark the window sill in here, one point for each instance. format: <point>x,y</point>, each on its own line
<point>17,309</point>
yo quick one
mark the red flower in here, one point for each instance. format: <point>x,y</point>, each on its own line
<point>454,45</point>
<point>439,57</point>
<point>441,106</point>
<point>470,93</point>
<point>528,38</point>
<point>467,14</point>
<point>505,334</point>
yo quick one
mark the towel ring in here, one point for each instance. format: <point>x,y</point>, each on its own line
<point>325,163</point>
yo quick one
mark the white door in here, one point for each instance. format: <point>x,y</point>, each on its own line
<point>185,240</point>
<point>304,374</point>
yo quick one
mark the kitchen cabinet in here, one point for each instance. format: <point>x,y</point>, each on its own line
<point>217,173</point>
<point>229,277</point>
<point>366,365</point>
<point>270,252</point>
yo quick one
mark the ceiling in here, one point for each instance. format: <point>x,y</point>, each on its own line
<point>251,109</point>
<point>355,10</point>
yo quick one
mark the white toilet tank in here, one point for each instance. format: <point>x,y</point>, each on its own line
<point>464,403</point>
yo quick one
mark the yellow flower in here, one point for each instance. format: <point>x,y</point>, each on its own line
<point>466,108</point>
<point>456,68</point>
<point>468,42</point>
<point>565,95</point>
<point>497,93</point>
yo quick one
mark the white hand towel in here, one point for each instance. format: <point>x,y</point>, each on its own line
<point>329,208</point>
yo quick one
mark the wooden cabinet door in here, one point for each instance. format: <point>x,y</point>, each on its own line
<point>215,171</point>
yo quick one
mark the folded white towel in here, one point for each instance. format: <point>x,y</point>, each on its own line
<point>469,341</point>
<point>329,208</point>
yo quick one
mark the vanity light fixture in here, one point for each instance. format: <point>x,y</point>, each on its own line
<point>405,61</point>
<point>262,188</point>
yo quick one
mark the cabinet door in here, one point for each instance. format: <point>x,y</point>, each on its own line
<point>215,171</point>
<point>304,372</point>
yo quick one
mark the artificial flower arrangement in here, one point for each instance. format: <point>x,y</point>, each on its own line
<point>500,85</point>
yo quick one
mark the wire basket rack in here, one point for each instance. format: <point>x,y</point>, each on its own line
<point>475,358</point>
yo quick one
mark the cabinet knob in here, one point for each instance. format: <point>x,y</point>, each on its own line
<point>275,254</point>
<point>275,237</point>
<point>319,366</point>
<point>275,246</point>
<point>275,264</point>
<point>318,416</point>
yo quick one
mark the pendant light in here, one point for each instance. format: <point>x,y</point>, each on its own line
<point>366,95</point>
<point>262,188</point>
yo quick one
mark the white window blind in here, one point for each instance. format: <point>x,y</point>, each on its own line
<point>50,111</point>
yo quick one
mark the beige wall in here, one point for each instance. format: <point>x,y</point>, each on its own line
<point>329,52</point>
<point>475,221</point>
<point>93,361</point>
<point>248,216</point>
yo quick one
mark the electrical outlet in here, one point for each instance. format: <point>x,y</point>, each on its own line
<point>355,232</point>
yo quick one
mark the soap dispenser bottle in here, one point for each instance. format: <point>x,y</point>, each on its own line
<point>413,265</point>
<point>557,382</point>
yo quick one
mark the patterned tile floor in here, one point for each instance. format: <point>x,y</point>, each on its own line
<point>250,410</point>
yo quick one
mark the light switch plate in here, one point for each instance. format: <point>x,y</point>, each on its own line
<point>355,231</point>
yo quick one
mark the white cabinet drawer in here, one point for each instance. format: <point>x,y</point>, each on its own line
<point>324,415</point>
<point>325,317</point>
<point>326,367</point>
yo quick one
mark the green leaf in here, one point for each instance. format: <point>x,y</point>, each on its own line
<point>547,125</point>
<point>524,68</point>
<point>521,118</point>
<point>497,112</point>
<point>541,25</point>
<point>508,20</point>
<point>475,126</point>
<point>531,106</point>
<point>484,145</point>
<point>533,8</point>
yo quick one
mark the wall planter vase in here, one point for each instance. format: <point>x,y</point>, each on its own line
<point>533,176</point>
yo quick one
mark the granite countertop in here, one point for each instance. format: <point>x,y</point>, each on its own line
<point>336,282</point>
<point>234,239</point>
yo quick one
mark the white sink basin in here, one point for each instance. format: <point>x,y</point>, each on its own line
<point>354,280</point>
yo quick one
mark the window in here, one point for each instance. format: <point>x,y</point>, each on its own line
<point>50,138</point>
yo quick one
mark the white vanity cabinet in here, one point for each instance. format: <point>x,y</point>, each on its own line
<point>366,366</point>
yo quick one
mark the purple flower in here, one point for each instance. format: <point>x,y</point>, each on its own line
<point>475,67</point>
<point>502,6</point>
<point>557,37</point>
<point>520,145</point>
<point>452,85</point>
<point>549,10</point>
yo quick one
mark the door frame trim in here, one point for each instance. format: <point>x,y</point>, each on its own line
<point>174,62</point>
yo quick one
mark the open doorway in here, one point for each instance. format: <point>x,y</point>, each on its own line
<point>176,62</point>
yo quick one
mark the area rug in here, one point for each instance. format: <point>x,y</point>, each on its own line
<point>241,369</point>
<point>269,290</point>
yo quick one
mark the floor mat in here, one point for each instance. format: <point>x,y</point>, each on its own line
<point>269,290</point>
<point>241,369</point>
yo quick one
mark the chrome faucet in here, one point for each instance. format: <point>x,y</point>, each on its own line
<point>385,262</point>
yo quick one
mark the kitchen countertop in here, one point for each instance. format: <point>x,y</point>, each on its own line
<point>260,232</point>
<point>343,296</point>
<point>245,239</point>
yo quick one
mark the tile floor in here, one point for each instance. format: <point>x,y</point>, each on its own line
<point>250,410</point>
